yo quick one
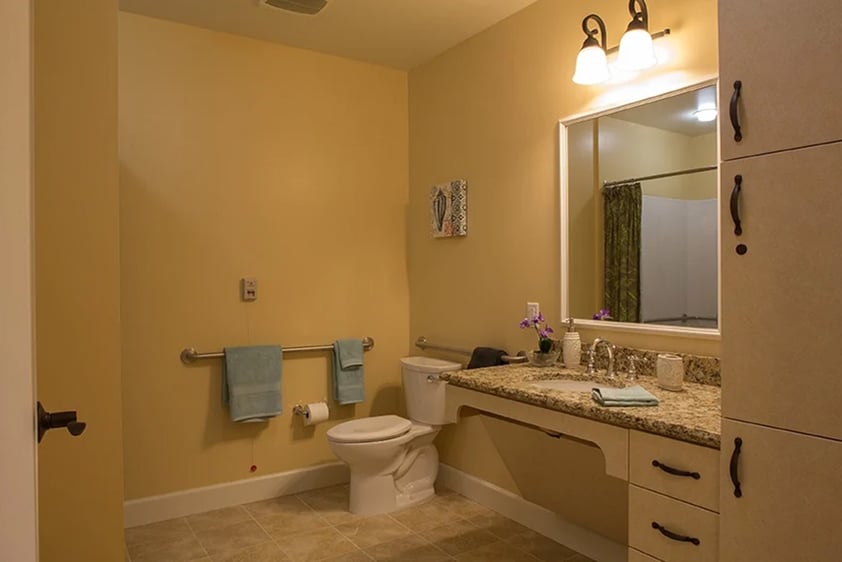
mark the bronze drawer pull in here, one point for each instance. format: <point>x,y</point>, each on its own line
<point>674,536</point>
<point>676,471</point>
<point>733,111</point>
<point>735,204</point>
<point>734,467</point>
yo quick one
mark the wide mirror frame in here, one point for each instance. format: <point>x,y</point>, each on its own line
<point>657,329</point>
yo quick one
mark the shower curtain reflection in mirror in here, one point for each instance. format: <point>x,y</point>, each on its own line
<point>623,206</point>
<point>640,196</point>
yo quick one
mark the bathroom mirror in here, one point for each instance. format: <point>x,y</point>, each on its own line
<point>640,215</point>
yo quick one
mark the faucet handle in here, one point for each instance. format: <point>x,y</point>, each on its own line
<point>591,358</point>
<point>632,374</point>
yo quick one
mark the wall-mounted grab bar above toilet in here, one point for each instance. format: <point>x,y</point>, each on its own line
<point>190,354</point>
<point>422,343</point>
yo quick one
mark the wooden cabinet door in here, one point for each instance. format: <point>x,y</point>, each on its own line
<point>782,300</point>
<point>790,508</point>
<point>787,57</point>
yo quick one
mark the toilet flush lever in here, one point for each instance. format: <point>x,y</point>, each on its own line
<point>433,378</point>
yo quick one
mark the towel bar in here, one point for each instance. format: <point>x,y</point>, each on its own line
<point>190,354</point>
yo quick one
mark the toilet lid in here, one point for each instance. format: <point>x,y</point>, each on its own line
<point>377,428</point>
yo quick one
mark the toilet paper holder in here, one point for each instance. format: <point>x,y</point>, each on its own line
<point>300,410</point>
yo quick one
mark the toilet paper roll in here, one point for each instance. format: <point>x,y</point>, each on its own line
<point>316,412</point>
<point>670,371</point>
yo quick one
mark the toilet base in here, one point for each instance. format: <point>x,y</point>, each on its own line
<point>384,493</point>
<point>374,495</point>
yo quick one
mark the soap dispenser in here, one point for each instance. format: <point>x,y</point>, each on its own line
<point>571,347</point>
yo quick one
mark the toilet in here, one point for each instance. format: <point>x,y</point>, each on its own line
<point>393,460</point>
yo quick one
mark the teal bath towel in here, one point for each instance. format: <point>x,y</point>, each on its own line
<point>631,396</point>
<point>251,382</point>
<point>348,382</point>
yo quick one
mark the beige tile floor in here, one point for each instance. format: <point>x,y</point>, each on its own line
<point>316,525</point>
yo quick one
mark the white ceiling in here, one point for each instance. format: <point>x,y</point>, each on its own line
<point>396,33</point>
<point>674,113</point>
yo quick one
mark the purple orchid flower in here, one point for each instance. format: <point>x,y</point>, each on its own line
<point>603,314</point>
<point>544,341</point>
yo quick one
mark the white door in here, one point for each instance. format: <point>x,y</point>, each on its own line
<point>18,520</point>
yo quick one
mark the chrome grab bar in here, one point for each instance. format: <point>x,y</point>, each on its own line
<point>422,343</point>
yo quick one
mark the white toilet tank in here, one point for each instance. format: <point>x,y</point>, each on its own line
<point>425,399</point>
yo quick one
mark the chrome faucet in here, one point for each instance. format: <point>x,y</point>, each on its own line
<point>610,347</point>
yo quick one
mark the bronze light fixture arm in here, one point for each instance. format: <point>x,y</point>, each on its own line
<point>591,40</point>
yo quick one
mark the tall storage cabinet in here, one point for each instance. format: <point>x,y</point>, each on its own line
<point>786,55</point>
<point>781,460</point>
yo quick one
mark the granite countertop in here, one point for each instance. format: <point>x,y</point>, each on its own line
<point>691,415</point>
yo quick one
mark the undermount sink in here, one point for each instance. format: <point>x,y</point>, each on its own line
<point>568,385</point>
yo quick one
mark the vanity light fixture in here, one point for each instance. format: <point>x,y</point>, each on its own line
<point>706,112</point>
<point>592,63</point>
<point>636,51</point>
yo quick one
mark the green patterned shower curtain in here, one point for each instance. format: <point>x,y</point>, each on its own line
<point>623,211</point>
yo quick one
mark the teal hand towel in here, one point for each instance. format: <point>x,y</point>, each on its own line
<point>348,375</point>
<point>631,396</point>
<point>251,382</point>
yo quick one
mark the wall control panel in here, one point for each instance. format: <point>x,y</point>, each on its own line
<point>249,288</point>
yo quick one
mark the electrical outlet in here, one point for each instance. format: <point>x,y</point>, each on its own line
<point>532,310</point>
<point>249,288</point>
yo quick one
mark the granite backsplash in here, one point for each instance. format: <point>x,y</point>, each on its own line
<point>699,369</point>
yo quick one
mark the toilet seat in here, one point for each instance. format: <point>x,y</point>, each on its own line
<point>363,430</point>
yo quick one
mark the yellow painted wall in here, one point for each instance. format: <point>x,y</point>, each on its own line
<point>628,150</point>
<point>487,111</point>
<point>623,149</point>
<point>564,475</point>
<point>243,158</point>
<point>585,265</point>
<point>77,282</point>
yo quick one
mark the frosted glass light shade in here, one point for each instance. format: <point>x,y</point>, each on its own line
<point>591,66</point>
<point>706,112</point>
<point>636,50</point>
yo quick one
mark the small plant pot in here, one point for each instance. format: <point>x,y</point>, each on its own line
<point>540,359</point>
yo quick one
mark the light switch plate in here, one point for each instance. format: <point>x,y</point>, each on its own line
<point>532,310</point>
<point>249,288</point>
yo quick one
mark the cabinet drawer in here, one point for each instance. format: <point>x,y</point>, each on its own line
<point>645,449</point>
<point>682,519</point>
<point>637,556</point>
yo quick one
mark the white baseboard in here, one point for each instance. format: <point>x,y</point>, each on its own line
<point>533,516</point>
<point>198,500</point>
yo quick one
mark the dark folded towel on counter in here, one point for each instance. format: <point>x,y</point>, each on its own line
<point>486,357</point>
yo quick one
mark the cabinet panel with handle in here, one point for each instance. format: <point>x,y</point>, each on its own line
<point>682,470</point>
<point>779,497</point>
<point>671,530</point>
<point>781,298</point>
<point>779,96</point>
